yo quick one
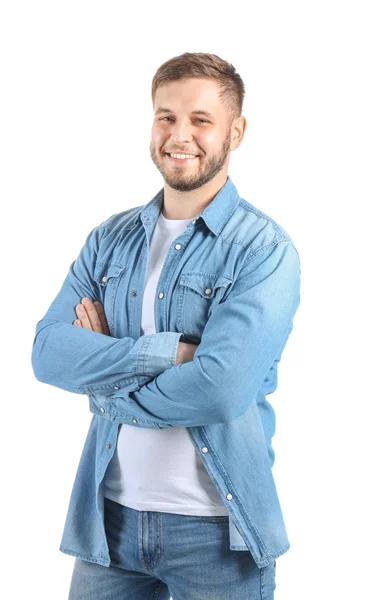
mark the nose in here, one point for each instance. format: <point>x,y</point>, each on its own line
<point>181,132</point>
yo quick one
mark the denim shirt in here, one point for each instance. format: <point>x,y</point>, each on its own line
<point>230,283</point>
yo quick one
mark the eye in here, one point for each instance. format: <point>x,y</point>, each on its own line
<point>171,118</point>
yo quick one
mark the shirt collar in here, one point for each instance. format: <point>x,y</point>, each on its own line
<point>215,215</point>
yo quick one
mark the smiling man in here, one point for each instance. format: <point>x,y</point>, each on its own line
<point>191,146</point>
<point>172,320</point>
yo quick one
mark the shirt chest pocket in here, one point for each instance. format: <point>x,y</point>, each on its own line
<point>107,277</point>
<point>197,294</point>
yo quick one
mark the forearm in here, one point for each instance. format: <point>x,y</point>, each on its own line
<point>85,362</point>
<point>196,393</point>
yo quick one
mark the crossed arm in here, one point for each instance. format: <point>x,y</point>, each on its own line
<point>91,315</point>
<point>131,379</point>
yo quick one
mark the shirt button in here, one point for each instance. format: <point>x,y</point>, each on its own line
<point>134,420</point>
<point>161,295</point>
<point>229,496</point>
<point>204,450</point>
<point>102,409</point>
<point>109,446</point>
<point>178,246</point>
<point>134,293</point>
<point>208,291</point>
<point>116,387</point>
<point>193,221</point>
<point>104,279</point>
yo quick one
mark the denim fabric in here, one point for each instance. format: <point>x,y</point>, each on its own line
<point>230,282</point>
<point>157,555</point>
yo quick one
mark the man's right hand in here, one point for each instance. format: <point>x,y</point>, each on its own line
<point>185,352</point>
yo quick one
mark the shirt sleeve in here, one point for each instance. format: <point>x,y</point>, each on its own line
<point>244,336</point>
<point>85,362</point>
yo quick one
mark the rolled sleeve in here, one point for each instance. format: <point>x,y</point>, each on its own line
<point>158,352</point>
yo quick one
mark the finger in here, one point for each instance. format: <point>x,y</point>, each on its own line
<point>93,316</point>
<point>77,323</point>
<point>83,317</point>
<point>102,317</point>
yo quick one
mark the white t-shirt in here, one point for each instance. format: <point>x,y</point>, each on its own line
<point>160,469</point>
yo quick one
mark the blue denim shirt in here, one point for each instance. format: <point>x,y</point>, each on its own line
<point>230,283</point>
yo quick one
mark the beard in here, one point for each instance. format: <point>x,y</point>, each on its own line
<point>185,183</point>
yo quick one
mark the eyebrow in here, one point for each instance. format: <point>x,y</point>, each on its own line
<point>193,112</point>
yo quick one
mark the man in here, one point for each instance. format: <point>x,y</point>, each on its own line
<point>172,320</point>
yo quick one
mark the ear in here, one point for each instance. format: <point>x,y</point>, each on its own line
<point>238,131</point>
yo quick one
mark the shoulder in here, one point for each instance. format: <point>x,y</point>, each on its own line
<point>122,221</point>
<point>255,230</point>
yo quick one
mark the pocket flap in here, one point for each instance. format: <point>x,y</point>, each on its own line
<point>204,284</point>
<point>103,272</point>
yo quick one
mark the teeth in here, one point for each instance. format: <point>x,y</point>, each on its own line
<point>182,155</point>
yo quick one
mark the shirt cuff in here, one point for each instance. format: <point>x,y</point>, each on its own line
<point>158,352</point>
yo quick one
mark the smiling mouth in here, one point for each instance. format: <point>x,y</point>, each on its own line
<point>181,158</point>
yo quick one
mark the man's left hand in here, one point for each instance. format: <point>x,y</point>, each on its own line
<point>91,316</point>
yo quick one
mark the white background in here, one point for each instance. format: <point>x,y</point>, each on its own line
<point>76,115</point>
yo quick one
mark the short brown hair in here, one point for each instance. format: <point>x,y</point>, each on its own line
<point>206,66</point>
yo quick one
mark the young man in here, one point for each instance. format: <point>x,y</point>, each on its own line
<point>172,320</point>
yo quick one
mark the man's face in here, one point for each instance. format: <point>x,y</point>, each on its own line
<point>182,126</point>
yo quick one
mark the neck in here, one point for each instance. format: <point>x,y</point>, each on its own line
<point>187,205</point>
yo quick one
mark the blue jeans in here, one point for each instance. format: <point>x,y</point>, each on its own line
<point>156,555</point>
